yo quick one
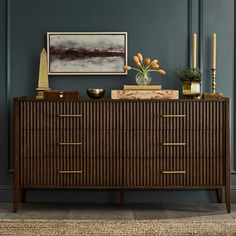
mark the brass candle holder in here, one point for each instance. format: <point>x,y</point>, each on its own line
<point>213,77</point>
<point>213,94</point>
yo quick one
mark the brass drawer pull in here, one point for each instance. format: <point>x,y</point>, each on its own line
<point>64,144</point>
<point>173,144</point>
<point>70,171</point>
<point>173,116</point>
<point>70,115</point>
<point>174,172</point>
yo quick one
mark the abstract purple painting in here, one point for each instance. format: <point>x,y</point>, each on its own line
<point>86,53</point>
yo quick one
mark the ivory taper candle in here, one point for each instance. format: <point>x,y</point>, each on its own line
<point>194,65</point>
<point>214,51</point>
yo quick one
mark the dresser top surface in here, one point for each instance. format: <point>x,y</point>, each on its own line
<point>119,100</point>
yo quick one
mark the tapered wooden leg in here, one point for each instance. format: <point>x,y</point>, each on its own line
<point>228,198</point>
<point>122,198</point>
<point>219,192</point>
<point>228,158</point>
<point>16,199</point>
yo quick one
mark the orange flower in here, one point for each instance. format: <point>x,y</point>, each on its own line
<point>136,59</point>
<point>144,66</point>
<point>126,68</point>
<point>147,61</point>
<point>162,72</point>
<point>154,62</point>
<point>138,64</point>
<point>155,66</point>
<point>140,57</point>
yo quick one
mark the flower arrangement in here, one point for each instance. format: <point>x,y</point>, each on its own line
<point>145,66</point>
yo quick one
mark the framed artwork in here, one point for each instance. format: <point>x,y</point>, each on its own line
<point>80,53</point>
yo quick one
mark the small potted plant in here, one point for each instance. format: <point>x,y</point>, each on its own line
<point>144,67</point>
<point>191,81</point>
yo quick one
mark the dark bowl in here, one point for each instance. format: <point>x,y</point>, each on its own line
<point>95,93</point>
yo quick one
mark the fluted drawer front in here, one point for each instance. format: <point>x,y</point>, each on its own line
<point>174,172</point>
<point>74,172</point>
<point>176,115</point>
<point>71,143</point>
<point>130,144</point>
<point>73,115</point>
<point>174,143</point>
<point>124,115</point>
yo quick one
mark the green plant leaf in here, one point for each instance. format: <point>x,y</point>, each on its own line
<point>189,74</point>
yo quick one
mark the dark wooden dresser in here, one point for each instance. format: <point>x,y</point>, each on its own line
<point>122,144</point>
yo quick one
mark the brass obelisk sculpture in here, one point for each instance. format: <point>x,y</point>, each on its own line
<point>43,75</point>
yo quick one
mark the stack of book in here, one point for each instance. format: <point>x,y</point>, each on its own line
<point>142,87</point>
<point>144,92</point>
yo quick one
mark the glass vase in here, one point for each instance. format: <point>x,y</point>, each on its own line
<point>143,79</point>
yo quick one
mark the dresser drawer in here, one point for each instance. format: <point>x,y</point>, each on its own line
<point>70,172</point>
<point>71,143</point>
<point>135,115</point>
<point>52,115</point>
<point>174,115</point>
<point>174,172</point>
<point>174,143</point>
<point>123,143</point>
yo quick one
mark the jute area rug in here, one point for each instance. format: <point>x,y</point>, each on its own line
<point>117,227</point>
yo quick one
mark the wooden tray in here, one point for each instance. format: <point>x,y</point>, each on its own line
<point>145,94</point>
<point>58,94</point>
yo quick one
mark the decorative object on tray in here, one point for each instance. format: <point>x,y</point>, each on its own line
<point>213,94</point>
<point>95,93</point>
<point>62,95</point>
<point>191,81</point>
<point>145,94</point>
<point>144,67</point>
<point>92,53</point>
<point>142,87</point>
<point>43,75</point>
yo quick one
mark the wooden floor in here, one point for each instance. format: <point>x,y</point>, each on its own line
<point>209,211</point>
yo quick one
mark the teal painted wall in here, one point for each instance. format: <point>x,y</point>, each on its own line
<point>157,28</point>
<point>149,25</point>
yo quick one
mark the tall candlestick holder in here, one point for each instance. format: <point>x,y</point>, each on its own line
<point>213,94</point>
<point>213,77</point>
